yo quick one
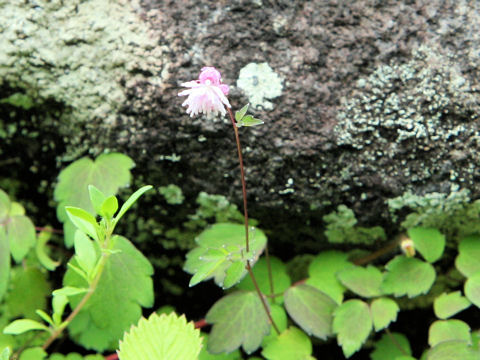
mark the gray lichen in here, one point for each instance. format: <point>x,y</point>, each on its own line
<point>427,99</point>
<point>76,53</point>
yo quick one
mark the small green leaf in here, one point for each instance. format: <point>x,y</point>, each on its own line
<point>362,281</point>
<point>384,311</point>
<point>386,349</point>
<point>19,100</point>
<point>23,325</point>
<point>21,235</point>
<point>58,304</point>
<point>238,319</point>
<point>281,280</point>
<point>4,262</point>
<point>408,276</point>
<point>45,317</point>
<point>219,247</point>
<point>5,354</point>
<point>234,273</point>
<point>41,249</point>
<point>472,289</point>
<point>469,253</point>
<point>279,316</point>
<point>205,355</point>
<point>96,198</point>
<point>17,209</point>
<point>323,273</point>
<point>131,200</point>
<point>85,252</point>
<point>249,120</point>
<point>455,349</point>
<point>310,309</point>
<point>36,353</point>
<point>428,241</point>
<point>241,113</point>
<point>69,291</point>
<point>291,344</point>
<point>161,337</point>
<point>352,323</point>
<point>83,220</point>
<point>447,305</point>
<point>446,330</point>
<point>109,207</point>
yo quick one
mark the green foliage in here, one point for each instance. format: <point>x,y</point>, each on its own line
<point>19,100</point>
<point>323,273</point>
<point>362,281</point>
<point>446,330</point>
<point>291,344</point>
<point>310,309</point>
<point>221,254</point>
<point>429,242</point>
<point>341,228</point>
<point>447,305</point>
<point>41,250</point>
<point>352,323</point>
<point>385,348</point>
<point>161,337</point>
<point>384,311</point>
<point>408,276</point>
<point>108,173</point>
<point>75,356</point>
<point>172,193</point>
<point>125,286</point>
<point>280,278</point>
<point>28,292</point>
<point>468,254</point>
<point>472,289</point>
<point>205,355</point>
<point>238,320</point>
<point>35,353</point>
<point>4,262</point>
<point>23,325</point>
<point>246,120</point>
<point>5,354</point>
<point>454,349</point>
<point>279,316</point>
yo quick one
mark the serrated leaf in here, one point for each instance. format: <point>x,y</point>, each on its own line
<point>428,241</point>
<point>384,311</point>
<point>362,281</point>
<point>291,344</point>
<point>281,280</point>
<point>472,289</point>
<point>96,198</point>
<point>75,356</point>
<point>36,353</point>
<point>447,305</point>
<point>311,309</point>
<point>408,276</point>
<point>352,323</point>
<point>238,319</point>
<point>41,249</point>
<point>469,253</point>
<point>385,348</point>
<point>108,173</point>
<point>446,330</point>
<point>161,337</point>
<point>28,292</point>
<point>219,247</point>
<point>21,235</point>
<point>85,252</point>
<point>241,113</point>
<point>131,200</point>
<point>455,349</point>
<point>4,262</point>
<point>23,325</point>
<point>323,273</point>
<point>249,120</point>
<point>124,287</point>
<point>109,207</point>
<point>83,220</point>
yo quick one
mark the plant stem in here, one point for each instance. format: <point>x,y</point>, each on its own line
<point>245,213</point>
<point>80,305</point>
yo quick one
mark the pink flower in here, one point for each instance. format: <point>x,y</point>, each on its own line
<point>207,94</point>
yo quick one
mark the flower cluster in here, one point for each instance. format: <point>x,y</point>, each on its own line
<point>207,94</point>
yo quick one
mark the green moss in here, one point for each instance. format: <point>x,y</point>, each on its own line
<point>341,228</point>
<point>454,214</point>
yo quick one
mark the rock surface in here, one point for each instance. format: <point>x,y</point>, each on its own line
<point>373,98</point>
